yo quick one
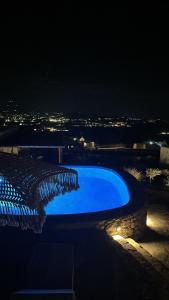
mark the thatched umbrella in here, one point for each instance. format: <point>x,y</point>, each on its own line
<point>26,186</point>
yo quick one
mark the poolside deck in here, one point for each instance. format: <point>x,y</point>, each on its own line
<point>156,239</point>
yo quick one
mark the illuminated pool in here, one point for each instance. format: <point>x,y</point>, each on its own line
<point>100,189</point>
<point>106,200</point>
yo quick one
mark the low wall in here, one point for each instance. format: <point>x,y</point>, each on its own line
<point>132,225</point>
<point>164,155</point>
<point>10,150</point>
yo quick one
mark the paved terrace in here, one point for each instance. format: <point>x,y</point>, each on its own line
<point>156,239</point>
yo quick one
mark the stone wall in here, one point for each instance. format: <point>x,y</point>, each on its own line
<point>132,225</point>
<point>10,150</point>
<point>139,146</point>
<point>164,155</point>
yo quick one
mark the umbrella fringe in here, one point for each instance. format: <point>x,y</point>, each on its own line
<point>55,185</point>
<point>26,186</point>
<point>17,215</point>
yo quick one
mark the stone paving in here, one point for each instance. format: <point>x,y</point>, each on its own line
<point>149,280</point>
<point>156,238</point>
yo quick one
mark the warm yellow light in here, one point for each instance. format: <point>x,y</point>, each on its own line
<point>133,243</point>
<point>118,228</point>
<point>151,221</point>
<point>116,237</point>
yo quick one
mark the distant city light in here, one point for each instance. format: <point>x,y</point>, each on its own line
<point>165,133</point>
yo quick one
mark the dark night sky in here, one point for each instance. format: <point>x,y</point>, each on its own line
<point>100,59</point>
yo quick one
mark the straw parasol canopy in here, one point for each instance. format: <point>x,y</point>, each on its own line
<point>26,186</point>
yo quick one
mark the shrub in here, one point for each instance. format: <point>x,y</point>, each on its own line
<point>165,172</point>
<point>135,173</point>
<point>152,173</point>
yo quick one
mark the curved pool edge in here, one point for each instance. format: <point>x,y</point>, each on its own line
<point>128,220</point>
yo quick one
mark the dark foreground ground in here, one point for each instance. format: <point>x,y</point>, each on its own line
<point>93,259</point>
<point>102,269</point>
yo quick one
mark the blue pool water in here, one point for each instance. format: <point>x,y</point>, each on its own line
<point>100,189</point>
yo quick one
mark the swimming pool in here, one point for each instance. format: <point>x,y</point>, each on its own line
<point>100,189</point>
<point>105,199</point>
